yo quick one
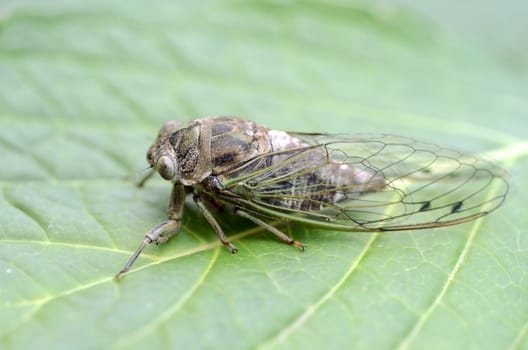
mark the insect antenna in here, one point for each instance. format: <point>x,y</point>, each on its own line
<point>145,177</point>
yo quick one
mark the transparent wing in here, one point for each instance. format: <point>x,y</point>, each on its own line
<point>367,182</point>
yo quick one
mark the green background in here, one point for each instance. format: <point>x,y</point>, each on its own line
<point>84,87</point>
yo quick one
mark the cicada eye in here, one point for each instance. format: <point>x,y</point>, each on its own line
<point>166,168</point>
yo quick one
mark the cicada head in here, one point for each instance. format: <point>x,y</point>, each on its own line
<point>176,154</point>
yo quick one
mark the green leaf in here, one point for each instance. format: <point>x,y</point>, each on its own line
<point>86,85</point>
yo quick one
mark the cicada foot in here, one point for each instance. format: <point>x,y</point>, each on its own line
<point>231,247</point>
<point>297,244</point>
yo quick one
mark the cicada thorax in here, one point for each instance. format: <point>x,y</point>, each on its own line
<point>235,142</point>
<point>210,146</point>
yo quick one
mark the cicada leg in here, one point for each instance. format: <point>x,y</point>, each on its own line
<point>284,237</point>
<point>199,200</point>
<point>164,231</point>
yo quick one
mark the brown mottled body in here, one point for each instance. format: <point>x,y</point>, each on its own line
<point>205,147</point>
<point>209,152</point>
<point>234,142</point>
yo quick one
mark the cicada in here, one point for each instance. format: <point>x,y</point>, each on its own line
<point>350,182</point>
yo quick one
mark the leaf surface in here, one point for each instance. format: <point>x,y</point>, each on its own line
<point>85,87</point>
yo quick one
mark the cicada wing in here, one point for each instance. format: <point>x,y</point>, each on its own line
<point>368,182</point>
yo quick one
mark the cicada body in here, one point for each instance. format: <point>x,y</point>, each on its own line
<point>358,182</point>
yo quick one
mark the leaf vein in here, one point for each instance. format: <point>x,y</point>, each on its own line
<point>155,323</point>
<point>286,331</point>
<point>47,169</point>
<point>27,213</point>
<point>89,212</point>
<point>419,324</point>
<point>521,336</point>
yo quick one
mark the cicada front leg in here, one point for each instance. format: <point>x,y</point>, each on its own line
<point>164,231</point>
